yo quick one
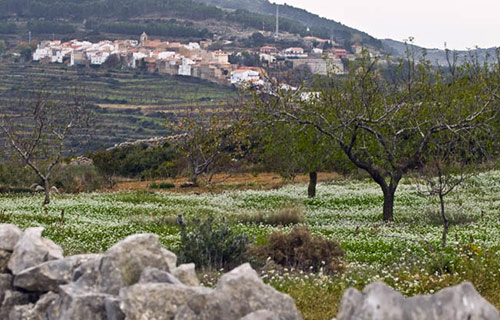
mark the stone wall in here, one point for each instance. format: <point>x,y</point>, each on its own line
<point>138,279</point>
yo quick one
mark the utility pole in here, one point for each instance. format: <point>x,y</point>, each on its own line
<point>29,36</point>
<point>277,20</point>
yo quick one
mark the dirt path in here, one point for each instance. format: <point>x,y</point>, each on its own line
<point>262,181</point>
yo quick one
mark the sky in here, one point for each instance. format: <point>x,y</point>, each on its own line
<point>461,24</point>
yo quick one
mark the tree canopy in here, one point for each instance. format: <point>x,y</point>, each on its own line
<point>384,124</point>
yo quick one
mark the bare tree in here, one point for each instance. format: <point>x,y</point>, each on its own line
<point>450,162</point>
<point>208,141</point>
<point>38,122</point>
<point>384,123</point>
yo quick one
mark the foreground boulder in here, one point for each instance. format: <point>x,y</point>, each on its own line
<point>154,275</point>
<point>261,315</point>
<point>186,274</point>
<point>5,284</point>
<point>122,264</point>
<point>49,275</point>
<point>32,249</point>
<point>159,301</point>
<point>378,301</point>
<point>238,294</point>
<point>9,236</point>
<point>4,260</point>
<point>44,309</point>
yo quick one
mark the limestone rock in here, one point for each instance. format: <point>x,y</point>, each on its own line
<point>14,298</point>
<point>186,274</point>
<point>154,275</point>
<point>239,293</point>
<point>77,303</point>
<point>170,257</point>
<point>32,250</point>
<point>49,275</point>
<point>113,311</point>
<point>158,301</point>
<point>261,315</point>
<point>5,284</point>
<point>122,264</point>
<point>4,260</point>
<point>378,301</point>
<point>9,235</point>
<point>42,310</point>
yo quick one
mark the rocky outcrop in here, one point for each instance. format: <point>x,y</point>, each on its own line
<point>135,279</point>
<point>378,301</point>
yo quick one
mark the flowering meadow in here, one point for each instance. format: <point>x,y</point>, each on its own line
<point>405,253</point>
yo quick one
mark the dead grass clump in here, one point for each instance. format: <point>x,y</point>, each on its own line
<point>282,217</point>
<point>286,216</point>
<point>300,250</point>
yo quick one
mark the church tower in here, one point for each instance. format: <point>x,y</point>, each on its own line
<point>144,39</point>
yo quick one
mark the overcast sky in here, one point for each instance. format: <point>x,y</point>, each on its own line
<point>461,24</point>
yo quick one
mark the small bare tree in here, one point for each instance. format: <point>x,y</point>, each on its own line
<point>38,122</point>
<point>450,163</point>
<point>208,141</point>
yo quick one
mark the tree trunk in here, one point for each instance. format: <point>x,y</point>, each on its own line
<point>46,187</point>
<point>313,180</point>
<point>445,220</point>
<point>194,179</point>
<point>111,182</point>
<point>388,212</point>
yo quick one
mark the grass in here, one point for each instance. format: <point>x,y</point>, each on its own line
<point>405,253</point>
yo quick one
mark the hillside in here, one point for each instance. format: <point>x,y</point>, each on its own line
<point>322,27</point>
<point>438,56</point>
<point>169,18</point>
<point>121,111</point>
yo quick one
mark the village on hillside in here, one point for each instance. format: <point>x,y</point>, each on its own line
<point>194,59</point>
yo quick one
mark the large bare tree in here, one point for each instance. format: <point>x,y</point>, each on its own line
<point>38,121</point>
<point>384,121</point>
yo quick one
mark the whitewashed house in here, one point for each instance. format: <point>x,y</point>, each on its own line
<point>241,76</point>
<point>185,68</point>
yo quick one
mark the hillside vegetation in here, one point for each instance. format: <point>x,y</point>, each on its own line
<point>320,26</point>
<point>128,105</point>
<point>65,17</point>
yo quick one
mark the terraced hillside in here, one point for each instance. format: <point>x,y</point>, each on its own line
<point>127,105</point>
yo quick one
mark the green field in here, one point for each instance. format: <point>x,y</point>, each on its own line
<point>129,105</point>
<point>405,253</point>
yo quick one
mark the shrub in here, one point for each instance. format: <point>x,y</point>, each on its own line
<point>299,249</point>
<point>76,178</point>
<point>162,185</point>
<point>211,244</point>
<point>15,175</point>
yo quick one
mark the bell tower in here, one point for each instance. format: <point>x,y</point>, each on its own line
<point>144,39</point>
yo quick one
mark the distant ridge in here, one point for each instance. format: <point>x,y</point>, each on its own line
<point>398,48</point>
<point>325,27</point>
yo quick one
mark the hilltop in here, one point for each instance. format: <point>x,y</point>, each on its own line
<point>398,48</point>
<point>168,18</point>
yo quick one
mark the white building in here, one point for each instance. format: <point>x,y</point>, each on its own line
<point>294,52</point>
<point>241,76</point>
<point>185,67</point>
